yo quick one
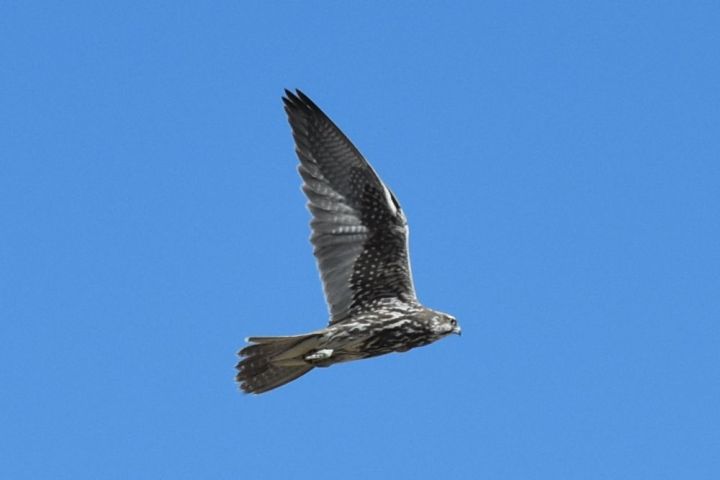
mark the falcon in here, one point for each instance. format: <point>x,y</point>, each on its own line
<point>360,241</point>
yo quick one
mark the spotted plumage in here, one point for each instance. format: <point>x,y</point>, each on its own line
<point>360,240</point>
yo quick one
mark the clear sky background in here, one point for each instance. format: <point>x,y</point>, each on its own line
<point>559,163</point>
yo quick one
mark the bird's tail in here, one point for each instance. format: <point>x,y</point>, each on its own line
<point>270,362</point>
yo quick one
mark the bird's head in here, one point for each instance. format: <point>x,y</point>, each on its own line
<point>444,324</point>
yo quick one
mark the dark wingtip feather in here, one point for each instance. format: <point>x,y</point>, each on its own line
<point>289,99</point>
<point>298,101</point>
<point>306,100</point>
<point>292,100</point>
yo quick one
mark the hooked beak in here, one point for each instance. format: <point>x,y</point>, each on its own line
<point>457,330</point>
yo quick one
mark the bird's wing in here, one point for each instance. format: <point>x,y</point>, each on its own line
<point>359,232</point>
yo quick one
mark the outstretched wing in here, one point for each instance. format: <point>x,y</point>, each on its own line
<point>359,231</point>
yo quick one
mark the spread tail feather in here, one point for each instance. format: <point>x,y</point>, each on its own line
<point>270,362</point>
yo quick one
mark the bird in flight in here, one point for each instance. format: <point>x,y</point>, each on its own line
<point>360,240</point>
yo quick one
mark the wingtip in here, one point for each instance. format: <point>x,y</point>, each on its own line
<point>292,102</point>
<point>298,100</point>
<point>302,96</point>
<point>296,93</point>
<point>288,99</point>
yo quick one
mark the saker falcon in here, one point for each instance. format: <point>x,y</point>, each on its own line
<point>360,240</point>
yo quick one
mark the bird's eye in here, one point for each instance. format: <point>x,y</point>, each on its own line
<point>453,322</point>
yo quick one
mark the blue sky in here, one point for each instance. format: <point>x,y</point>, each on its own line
<point>559,166</point>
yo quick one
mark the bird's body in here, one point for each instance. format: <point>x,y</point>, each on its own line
<point>360,240</point>
<point>390,327</point>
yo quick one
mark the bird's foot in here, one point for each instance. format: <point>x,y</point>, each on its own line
<point>323,354</point>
